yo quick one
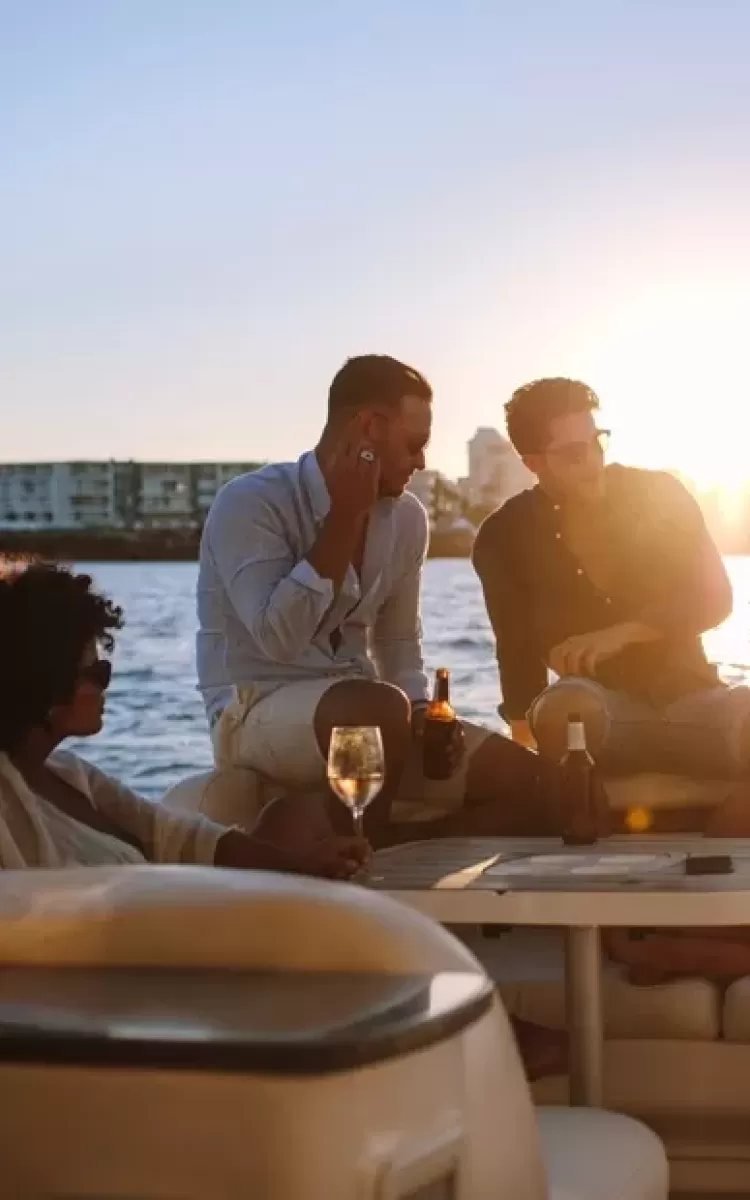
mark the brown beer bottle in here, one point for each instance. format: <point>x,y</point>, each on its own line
<point>578,788</point>
<point>439,724</point>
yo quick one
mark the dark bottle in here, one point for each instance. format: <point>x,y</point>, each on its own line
<point>578,788</point>
<point>439,725</point>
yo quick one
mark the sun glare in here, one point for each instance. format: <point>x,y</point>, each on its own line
<point>672,383</point>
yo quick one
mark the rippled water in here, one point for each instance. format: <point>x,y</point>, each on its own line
<point>156,732</point>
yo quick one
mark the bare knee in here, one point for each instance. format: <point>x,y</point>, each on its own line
<point>367,702</point>
<point>552,710</point>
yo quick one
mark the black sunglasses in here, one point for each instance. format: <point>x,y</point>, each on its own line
<point>99,673</point>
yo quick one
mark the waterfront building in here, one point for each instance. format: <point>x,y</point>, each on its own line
<point>110,494</point>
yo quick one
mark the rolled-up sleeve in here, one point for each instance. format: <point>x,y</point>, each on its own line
<point>523,673</point>
<point>280,600</point>
<point>165,836</point>
<point>397,632</point>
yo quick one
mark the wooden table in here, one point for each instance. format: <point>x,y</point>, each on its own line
<point>621,881</point>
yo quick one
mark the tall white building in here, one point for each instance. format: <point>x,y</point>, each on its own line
<point>495,471</point>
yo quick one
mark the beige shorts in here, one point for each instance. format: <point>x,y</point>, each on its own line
<point>275,736</point>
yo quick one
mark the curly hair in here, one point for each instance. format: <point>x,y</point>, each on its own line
<point>48,616</point>
<point>534,406</point>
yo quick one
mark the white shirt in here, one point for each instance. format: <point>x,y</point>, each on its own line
<point>266,616</point>
<point>35,833</point>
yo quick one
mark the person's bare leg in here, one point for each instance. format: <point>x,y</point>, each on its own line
<point>366,702</point>
<point>659,955</point>
<point>543,1051</point>
<point>509,792</point>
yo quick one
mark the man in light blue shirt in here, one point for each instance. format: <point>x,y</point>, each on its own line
<point>309,609</point>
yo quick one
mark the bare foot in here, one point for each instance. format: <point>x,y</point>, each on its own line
<point>543,1051</point>
<point>649,974</point>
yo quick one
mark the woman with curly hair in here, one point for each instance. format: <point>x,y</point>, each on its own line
<point>57,810</point>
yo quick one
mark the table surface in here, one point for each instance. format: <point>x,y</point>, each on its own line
<point>538,881</point>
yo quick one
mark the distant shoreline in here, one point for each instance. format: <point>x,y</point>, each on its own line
<point>155,545</point>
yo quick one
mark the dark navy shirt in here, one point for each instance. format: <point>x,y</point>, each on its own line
<point>668,574</point>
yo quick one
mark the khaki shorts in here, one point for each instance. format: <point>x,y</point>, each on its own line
<point>275,737</point>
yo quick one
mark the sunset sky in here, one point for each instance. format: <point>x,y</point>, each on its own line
<point>206,206</point>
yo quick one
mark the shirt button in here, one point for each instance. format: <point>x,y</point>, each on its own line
<point>608,600</point>
<point>579,571</point>
<point>558,536</point>
<point>557,508</point>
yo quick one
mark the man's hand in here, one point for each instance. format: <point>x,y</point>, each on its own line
<point>582,654</point>
<point>418,715</point>
<point>520,732</point>
<point>353,474</point>
<point>457,744</point>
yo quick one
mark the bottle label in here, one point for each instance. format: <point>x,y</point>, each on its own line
<point>576,735</point>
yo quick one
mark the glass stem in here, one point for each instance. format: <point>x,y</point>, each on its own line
<point>359,821</point>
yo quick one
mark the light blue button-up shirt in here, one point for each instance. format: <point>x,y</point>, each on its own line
<point>266,616</point>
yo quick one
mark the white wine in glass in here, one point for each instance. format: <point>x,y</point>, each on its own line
<point>356,767</point>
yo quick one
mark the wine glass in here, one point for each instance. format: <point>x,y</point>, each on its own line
<point>356,767</point>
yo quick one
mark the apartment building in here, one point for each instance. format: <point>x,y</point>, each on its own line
<point>110,495</point>
<point>57,495</point>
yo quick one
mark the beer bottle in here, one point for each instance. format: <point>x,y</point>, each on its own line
<point>439,726</point>
<point>578,788</point>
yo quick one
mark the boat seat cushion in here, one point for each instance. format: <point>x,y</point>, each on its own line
<point>527,965</point>
<point>595,1155</point>
<point>736,1016</point>
<point>668,792</point>
<point>237,795</point>
<point>232,796</point>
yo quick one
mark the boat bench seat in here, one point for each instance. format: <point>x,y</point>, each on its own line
<point>527,965</point>
<point>232,796</point>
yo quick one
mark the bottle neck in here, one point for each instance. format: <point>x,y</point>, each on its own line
<point>442,693</point>
<point>576,735</point>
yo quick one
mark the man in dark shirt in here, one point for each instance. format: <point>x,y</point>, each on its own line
<point>609,575</point>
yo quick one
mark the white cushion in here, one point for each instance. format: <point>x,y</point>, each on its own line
<point>736,1015</point>
<point>232,796</point>
<point>595,1155</point>
<point>527,965</point>
<point>659,792</point>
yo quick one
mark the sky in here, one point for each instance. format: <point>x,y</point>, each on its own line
<point>205,207</point>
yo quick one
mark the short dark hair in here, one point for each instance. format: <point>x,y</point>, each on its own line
<point>374,379</point>
<point>48,616</point>
<point>534,406</point>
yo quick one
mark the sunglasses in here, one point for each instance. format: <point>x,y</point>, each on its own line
<point>98,673</point>
<point>575,453</point>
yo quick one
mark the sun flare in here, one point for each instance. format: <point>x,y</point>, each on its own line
<point>672,383</point>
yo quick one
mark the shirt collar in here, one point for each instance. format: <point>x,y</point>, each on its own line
<point>550,505</point>
<point>314,484</point>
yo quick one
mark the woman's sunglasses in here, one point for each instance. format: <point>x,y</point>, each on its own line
<point>98,673</point>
